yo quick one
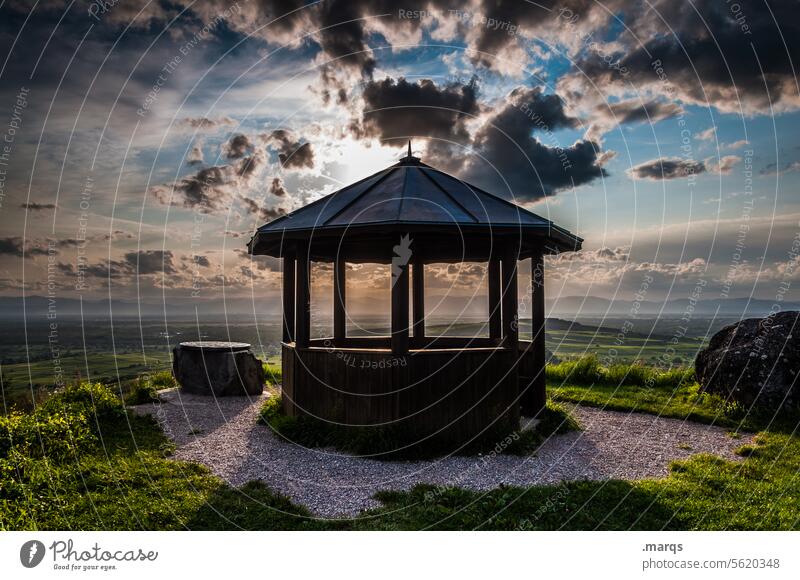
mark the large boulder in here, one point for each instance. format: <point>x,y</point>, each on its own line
<point>755,361</point>
<point>222,369</point>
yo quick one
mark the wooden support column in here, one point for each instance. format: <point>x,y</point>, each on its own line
<point>510,299</point>
<point>302,330</point>
<point>418,299</point>
<point>339,302</point>
<point>399,309</point>
<point>288,298</point>
<point>535,397</point>
<point>495,312</point>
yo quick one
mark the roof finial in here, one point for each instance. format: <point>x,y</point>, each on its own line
<point>409,159</point>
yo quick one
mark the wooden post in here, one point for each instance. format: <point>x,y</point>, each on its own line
<point>302,331</point>
<point>339,302</point>
<point>495,313</point>
<point>288,298</point>
<point>399,309</point>
<point>510,299</point>
<point>419,299</point>
<point>535,397</point>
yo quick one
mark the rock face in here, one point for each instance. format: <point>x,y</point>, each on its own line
<point>222,369</point>
<point>755,361</point>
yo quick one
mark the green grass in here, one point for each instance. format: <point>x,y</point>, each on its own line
<point>672,393</point>
<point>587,370</point>
<point>392,443</point>
<point>81,461</point>
<point>701,493</point>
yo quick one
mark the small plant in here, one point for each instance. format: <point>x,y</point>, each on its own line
<point>273,374</point>
<point>143,391</point>
<point>163,380</point>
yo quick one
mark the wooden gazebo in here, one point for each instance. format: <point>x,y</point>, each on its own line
<point>408,215</point>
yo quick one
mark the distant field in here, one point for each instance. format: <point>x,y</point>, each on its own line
<point>102,367</point>
<point>145,347</point>
<point>655,351</point>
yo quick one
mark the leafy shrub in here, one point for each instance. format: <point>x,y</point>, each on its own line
<point>92,399</point>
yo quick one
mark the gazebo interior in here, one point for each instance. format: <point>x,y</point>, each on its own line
<point>451,388</point>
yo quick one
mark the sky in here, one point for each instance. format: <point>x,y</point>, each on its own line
<point>141,143</point>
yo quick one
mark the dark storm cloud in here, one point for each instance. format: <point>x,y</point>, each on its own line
<point>496,27</point>
<point>342,36</point>
<point>132,264</point>
<point>607,116</point>
<point>249,165</point>
<point>277,188</point>
<point>13,246</point>
<point>667,168</point>
<point>202,261</point>
<point>33,206</point>
<point>394,110</point>
<point>195,156</point>
<point>292,153</point>
<point>207,190</point>
<point>146,262</point>
<point>237,147</point>
<point>512,15</point>
<point>206,124</point>
<point>265,213</point>
<point>212,189</point>
<point>520,151</point>
<point>634,111</point>
<point>710,58</point>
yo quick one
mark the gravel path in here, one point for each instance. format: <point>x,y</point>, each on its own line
<point>223,435</point>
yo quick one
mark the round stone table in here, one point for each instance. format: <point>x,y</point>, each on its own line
<point>222,369</point>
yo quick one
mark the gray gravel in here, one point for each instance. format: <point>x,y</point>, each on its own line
<point>223,435</point>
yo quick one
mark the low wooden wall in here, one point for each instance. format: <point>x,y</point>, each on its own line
<point>454,393</point>
<point>531,377</point>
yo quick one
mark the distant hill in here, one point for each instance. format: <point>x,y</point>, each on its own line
<point>577,306</point>
<point>38,307</point>
<point>569,307</point>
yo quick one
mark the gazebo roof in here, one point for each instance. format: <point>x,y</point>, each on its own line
<point>412,196</point>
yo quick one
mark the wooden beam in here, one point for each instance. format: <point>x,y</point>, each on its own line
<point>302,330</point>
<point>510,299</point>
<point>399,309</point>
<point>288,298</point>
<point>339,300</point>
<point>535,396</point>
<point>495,312</point>
<point>419,299</point>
